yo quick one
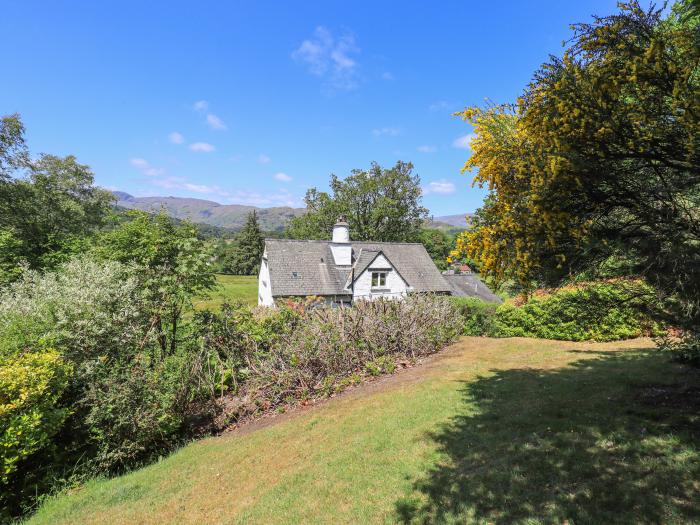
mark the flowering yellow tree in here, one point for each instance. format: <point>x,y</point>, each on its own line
<point>597,165</point>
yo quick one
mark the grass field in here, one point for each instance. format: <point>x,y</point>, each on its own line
<point>243,288</point>
<point>489,431</point>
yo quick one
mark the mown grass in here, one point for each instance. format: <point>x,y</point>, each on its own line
<point>491,431</point>
<point>243,288</point>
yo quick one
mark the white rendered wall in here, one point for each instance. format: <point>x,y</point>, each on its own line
<point>264,285</point>
<point>342,254</point>
<point>395,286</point>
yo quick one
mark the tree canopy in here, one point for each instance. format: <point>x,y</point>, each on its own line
<point>173,265</point>
<point>243,256</point>
<point>380,204</point>
<point>48,206</point>
<point>596,168</point>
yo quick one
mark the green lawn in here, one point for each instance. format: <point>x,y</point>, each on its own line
<point>491,431</point>
<point>243,288</point>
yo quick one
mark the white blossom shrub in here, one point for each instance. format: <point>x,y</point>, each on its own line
<point>86,309</point>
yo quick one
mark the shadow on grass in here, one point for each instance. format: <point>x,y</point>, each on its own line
<point>614,439</point>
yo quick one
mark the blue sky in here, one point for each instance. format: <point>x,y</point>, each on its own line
<point>254,102</point>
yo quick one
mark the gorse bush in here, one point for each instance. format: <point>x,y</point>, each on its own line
<point>602,311</point>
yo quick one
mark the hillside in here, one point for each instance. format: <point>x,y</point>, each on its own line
<point>231,216</point>
<point>488,431</point>
<point>459,220</point>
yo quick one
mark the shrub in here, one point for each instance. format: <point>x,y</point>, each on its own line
<point>331,347</point>
<point>233,337</point>
<point>135,410</point>
<point>84,310</point>
<point>685,349</point>
<point>478,315</point>
<point>31,386</point>
<point>601,311</point>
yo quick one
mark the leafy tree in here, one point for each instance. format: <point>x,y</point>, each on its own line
<point>175,266</point>
<point>48,207</point>
<point>438,244</point>
<point>243,256</point>
<point>599,161</point>
<point>380,205</point>
<point>13,150</point>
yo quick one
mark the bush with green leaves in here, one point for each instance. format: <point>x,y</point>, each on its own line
<point>602,311</point>
<point>127,399</point>
<point>85,310</point>
<point>478,315</point>
<point>135,409</point>
<point>598,311</point>
<point>684,349</point>
<point>229,341</point>
<point>31,413</point>
<point>174,266</point>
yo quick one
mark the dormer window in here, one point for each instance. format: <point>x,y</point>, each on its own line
<point>378,279</point>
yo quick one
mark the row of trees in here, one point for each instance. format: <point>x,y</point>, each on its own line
<point>595,170</point>
<point>380,204</point>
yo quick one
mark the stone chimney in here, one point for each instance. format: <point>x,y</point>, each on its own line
<point>340,244</point>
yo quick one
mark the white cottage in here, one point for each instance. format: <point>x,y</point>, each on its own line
<point>343,271</point>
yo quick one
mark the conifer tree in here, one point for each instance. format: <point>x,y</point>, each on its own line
<point>243,258</point>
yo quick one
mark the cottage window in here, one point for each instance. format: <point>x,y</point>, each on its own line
<point>378,279</point>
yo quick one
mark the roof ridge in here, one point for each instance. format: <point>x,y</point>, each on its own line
<point>351,242</point>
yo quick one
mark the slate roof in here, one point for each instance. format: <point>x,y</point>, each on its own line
<point>469,285</point>
<point>363,260</point>
<point>299,267</point>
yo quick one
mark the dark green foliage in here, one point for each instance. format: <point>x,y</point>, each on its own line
<point>438,244</point>
<point>48,207</point>
<point>135,409</point>
<point>242,257</point>
<point>605,311</point>
<point>685,349</point>
<point>174,266</point>
<point>380,205</point>
<point>479,316</point>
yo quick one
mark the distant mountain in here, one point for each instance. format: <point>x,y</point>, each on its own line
<point>231,216</point>
<point>459,220</point>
